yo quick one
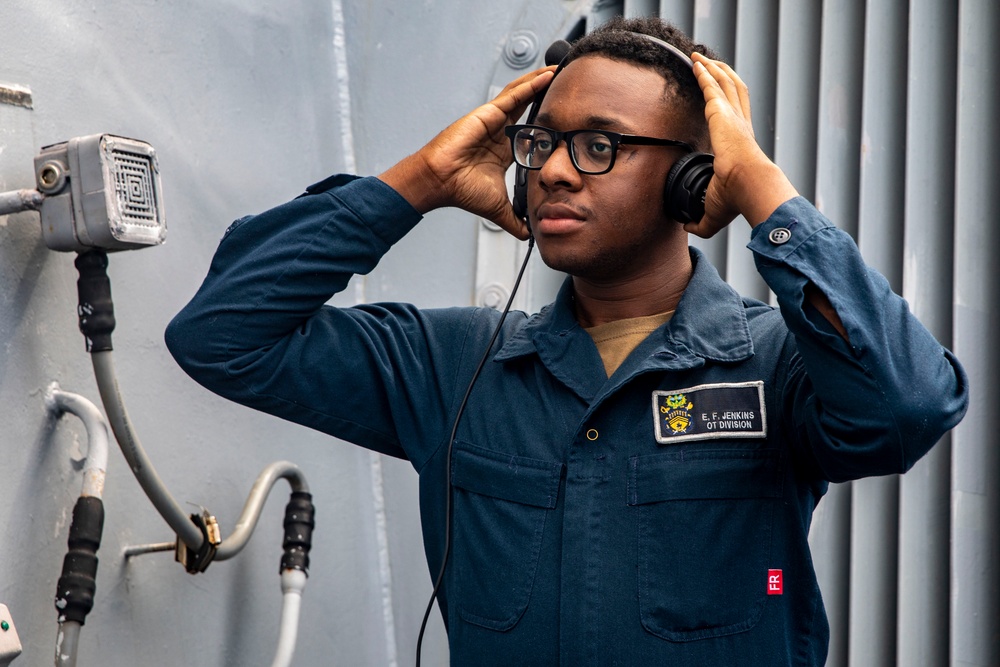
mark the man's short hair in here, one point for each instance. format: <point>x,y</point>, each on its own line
<point>613,40</point>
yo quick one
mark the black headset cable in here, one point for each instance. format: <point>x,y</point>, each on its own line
<point>451,443</point>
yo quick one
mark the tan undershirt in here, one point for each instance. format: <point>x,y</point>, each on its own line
<point>616,340</point>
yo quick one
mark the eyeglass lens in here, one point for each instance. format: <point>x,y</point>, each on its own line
<point>591,151</point>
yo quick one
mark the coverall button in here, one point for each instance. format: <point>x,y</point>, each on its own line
<point>779,235</point>
<point>592,434</point>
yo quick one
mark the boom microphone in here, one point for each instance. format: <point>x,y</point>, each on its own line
<point>556,52</point>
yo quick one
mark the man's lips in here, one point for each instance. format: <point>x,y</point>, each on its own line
<point>558,217</point>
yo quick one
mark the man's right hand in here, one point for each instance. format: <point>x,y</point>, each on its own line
<point>465,165</point>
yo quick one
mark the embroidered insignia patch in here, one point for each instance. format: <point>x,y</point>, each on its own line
<point>710,411</point>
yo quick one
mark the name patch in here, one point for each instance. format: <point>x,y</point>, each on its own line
<point>710,411</point>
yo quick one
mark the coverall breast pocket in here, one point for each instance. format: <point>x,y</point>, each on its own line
<point>501,506</point>
<point>704,533</point>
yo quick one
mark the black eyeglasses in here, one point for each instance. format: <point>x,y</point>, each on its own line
<point>592,151</point>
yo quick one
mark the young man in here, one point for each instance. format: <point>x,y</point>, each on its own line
<point>637,465</point>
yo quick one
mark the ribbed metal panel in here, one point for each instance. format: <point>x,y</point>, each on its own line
<point>756,35</point>
<point>884,114</point>
<point>927,262</point>
<point>715,24</point>
<point>797,93</point>
<point>640,8</point>
<point>975,492</point>
<point>871,565</point>
<point>679,12</point>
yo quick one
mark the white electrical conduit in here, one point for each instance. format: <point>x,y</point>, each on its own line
<point>94,472</point>
<point>292,584</point>
<point>67,642</point>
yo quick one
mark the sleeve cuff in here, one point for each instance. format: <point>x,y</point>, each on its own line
<point>791,225</point>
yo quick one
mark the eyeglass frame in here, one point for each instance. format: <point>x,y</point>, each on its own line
<point>614,138</point>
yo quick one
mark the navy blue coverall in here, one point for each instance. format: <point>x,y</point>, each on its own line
<point>656,517</point>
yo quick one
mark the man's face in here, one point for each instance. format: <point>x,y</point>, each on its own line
<point>608,226</point>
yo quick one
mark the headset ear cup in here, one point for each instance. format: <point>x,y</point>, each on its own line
<point>687,182</point>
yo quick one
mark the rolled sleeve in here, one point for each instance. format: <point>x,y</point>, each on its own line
<point>874,405</point>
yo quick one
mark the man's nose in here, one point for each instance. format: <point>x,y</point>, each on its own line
<point>559,168</point>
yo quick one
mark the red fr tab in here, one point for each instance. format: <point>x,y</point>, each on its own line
<point>774,584</point>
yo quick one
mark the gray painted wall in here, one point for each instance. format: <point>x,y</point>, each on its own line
<point>247,102</point>
<point>243,104</point>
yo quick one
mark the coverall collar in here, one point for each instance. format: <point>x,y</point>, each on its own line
<point>688,340</point>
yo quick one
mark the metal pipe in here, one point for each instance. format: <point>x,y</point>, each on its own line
<point>94,470</point>
<point>140,549</point>
<point>245,525</point>
<point>250,515</point>
<point>16,201</point>
<point>142,467</point>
